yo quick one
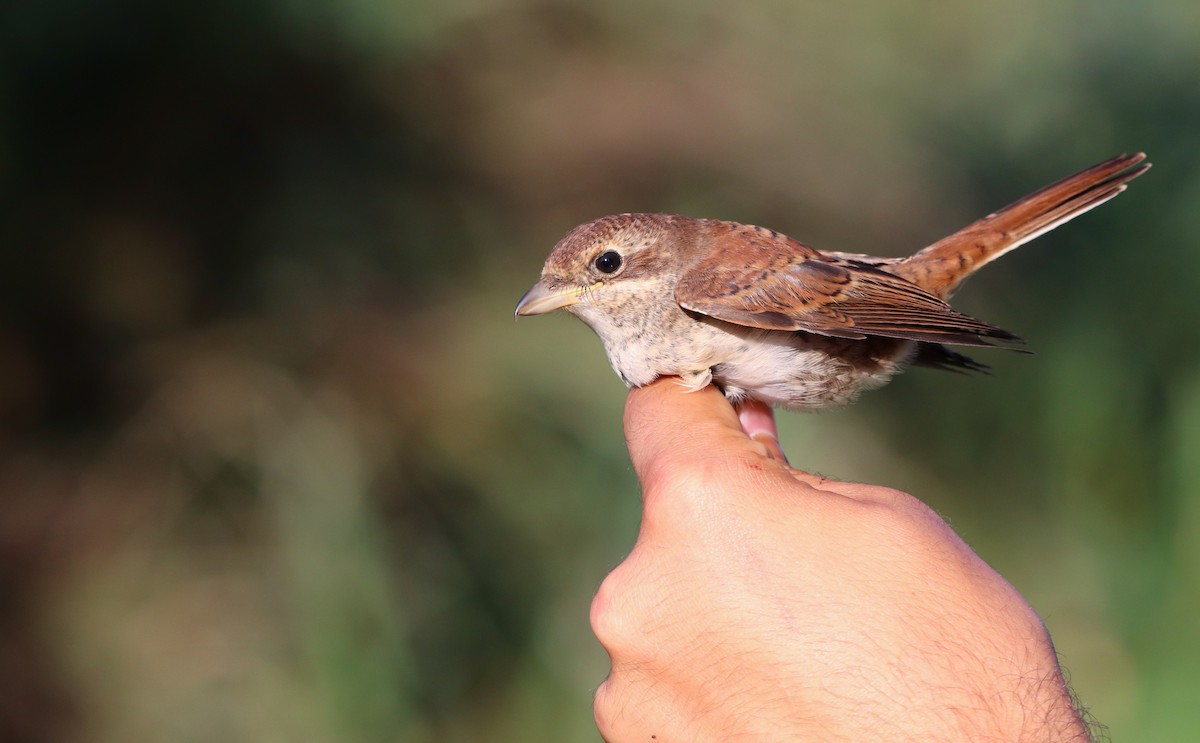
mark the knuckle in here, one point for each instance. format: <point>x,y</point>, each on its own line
<point>602,709</point>
<point>913,527</point>
<point>610,617</point>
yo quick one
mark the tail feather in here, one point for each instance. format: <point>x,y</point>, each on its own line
<point>943,266</point>
<point>937,356</point>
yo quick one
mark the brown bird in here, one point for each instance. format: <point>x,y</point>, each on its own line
<point>767,317</point>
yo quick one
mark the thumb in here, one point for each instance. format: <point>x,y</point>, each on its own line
<point>668,427</point>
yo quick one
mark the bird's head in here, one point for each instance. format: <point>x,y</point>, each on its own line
<point>603,264</point>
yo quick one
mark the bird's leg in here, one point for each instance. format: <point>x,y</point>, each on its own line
<point>695,381</point>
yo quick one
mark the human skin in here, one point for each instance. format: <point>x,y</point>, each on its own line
<point>764,603</point>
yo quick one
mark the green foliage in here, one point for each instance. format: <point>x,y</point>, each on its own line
<point>277,464</point>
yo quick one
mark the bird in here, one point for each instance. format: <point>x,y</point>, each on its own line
<point>766,317</point>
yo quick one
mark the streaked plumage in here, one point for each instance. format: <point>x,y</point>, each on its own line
<point>765,316</point>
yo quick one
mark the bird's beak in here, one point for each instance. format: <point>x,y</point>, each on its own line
<point>542,299</point>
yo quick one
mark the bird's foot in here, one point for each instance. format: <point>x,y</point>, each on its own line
<point>695,381</point>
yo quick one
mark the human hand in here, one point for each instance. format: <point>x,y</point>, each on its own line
<point>765,603</point>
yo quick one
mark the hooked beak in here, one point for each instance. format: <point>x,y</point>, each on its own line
<point>542,299</point>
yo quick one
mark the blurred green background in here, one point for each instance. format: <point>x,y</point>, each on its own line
<point>278,465</point>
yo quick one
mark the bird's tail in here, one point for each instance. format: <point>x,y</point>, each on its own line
<point>943,266</point>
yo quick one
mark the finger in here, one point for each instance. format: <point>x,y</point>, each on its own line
<point>758,421</point>
<point>667,426</point>
<point>669,429</point>
<point>861,492</point>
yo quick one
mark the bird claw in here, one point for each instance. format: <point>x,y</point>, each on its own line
<point>695,381</point>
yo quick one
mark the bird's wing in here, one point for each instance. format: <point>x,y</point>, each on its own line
<point>762,279</point>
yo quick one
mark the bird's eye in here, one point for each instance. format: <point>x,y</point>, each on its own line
<point>608,261</point>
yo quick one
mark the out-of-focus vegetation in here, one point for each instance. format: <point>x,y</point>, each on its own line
<point>278,465</point>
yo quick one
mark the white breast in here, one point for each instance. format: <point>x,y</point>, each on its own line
<point>802,371</point>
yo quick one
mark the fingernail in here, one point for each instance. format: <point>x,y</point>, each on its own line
<point>756,418</point>
<point>758,422</point>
